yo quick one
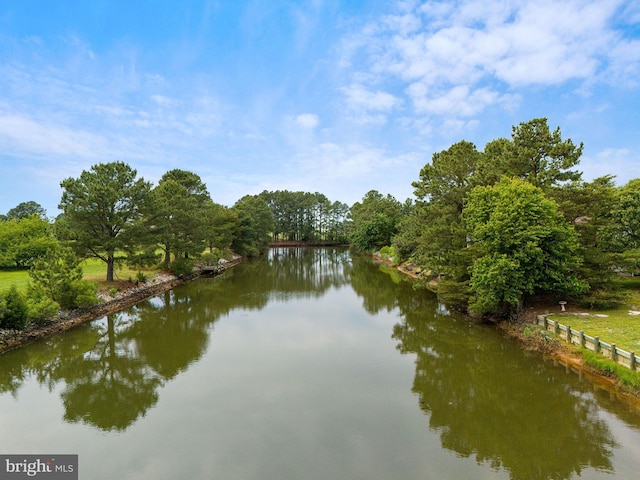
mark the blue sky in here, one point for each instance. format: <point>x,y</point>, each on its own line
<point>334,96</point>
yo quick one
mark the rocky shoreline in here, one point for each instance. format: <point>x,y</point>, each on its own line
<point>65,320</point>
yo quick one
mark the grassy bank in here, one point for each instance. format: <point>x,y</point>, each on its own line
<point>93,270</point>
<point>619,325</point>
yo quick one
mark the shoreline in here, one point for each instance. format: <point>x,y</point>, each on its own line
<point>555,349</point>
<point>66,320</point>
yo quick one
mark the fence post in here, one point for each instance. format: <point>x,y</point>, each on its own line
<point>614,353</point>
<point>632,360</point>
<point>596,344</point>
<point>568,334</point>
<point>556,327</point>
<point>582,339</point>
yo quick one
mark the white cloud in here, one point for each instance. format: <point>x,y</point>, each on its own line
<point>623,162</point>
<point>23,134</point>
<point>165,102</point>
<point>359,97</point>
<point>455,59</point>
<point>307,120</point>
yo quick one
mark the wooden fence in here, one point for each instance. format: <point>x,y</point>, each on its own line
<point>609,350</point>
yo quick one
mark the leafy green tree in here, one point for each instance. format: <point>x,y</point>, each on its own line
<point>337,222</point>
<point>191,182</point>
<point>58,276</point>
<point>220,226</point>
<point>523,245</point>
<point>620,236</point>
<point>177,220</point>
<point>374,221</point>
<point>624,231</point>
<point>588,206</point>
<point>23,240</point>
<point>27,209</point>
<point>100,208</point>
<point>255,224</point>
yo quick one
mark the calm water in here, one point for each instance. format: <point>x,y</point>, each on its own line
<point>308,365</point>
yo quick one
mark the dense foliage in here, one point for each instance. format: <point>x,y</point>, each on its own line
<point>23,240</point>
<point>374,221</point>
<point>521,245</point>
<point>492,227</point>
<point>306,217</point>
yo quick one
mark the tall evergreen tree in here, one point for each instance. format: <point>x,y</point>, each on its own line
<point>99,207</point>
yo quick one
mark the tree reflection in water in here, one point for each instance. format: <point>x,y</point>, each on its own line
<point>489,400</point>
<point>485,397</point>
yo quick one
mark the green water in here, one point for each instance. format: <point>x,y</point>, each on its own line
<point>310,364</point>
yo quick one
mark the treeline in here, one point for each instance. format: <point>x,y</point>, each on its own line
<point>487,228</point>
<point>111,214</point>
<point>306,217</point>
<point>490,228</point>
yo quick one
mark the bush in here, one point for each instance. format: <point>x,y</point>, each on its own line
<point>84,293</point>
<point>14,311</point>
<point>210,258</point>
<point>59,275</point>
<point>39,306</point>
<point>390,253</point>
<point>181,266</point>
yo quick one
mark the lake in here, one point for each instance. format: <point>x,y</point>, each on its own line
<point>308,364</point>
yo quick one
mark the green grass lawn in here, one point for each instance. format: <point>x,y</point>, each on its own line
<point>19,278</point>
<point>618,325</point>
<point>94,270</point>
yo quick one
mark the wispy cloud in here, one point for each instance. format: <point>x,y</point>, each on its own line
<point>621,162</point>
<point>329,95</point>
<point>307,120</point>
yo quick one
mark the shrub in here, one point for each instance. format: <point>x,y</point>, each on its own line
<point>14,313</point>
<point>59,275</point>
<point>39,306</point>
<point>181,266</point>
<point>390,253</point>
<point>210,258</point>
<point>84,293</point>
